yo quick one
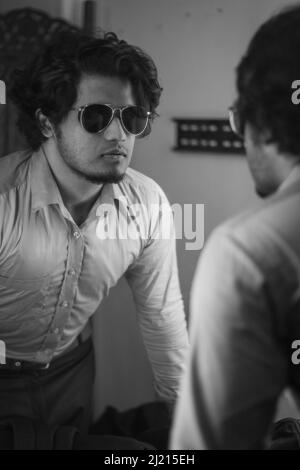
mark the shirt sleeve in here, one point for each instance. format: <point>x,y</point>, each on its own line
<point>154,281</point>
<point>236,368</point>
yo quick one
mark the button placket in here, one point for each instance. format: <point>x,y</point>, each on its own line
<point>68,291</point>
<point>68,288</point>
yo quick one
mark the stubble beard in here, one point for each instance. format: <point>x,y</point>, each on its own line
<point>96,178</point>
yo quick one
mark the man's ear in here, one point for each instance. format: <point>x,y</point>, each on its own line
<point>259,136</point>
<point>44,123</point>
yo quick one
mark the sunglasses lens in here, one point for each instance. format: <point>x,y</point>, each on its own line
<point>135,119</point>
<point>96,117</point>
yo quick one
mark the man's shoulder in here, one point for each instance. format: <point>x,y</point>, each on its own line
<point>243,221</point>
<point>13,169</point>
<point>143,184</point>
<point>260,229</point>
<point>267,213</point>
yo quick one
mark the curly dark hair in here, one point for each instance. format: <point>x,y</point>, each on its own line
<point>50,81</point>
<point>264,78</point>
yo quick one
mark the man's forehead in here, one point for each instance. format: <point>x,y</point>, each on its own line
<point>100,87</point>
<point>103,82</point>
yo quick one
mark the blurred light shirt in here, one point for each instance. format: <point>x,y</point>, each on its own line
<point>245,315</point>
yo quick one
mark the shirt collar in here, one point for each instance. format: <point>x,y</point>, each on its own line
<point>44,189</point>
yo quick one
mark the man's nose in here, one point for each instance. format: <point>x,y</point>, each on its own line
<point>115,130</point>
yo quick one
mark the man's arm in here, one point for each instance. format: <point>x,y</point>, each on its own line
<point>155,285</point>
<point>236,369</point>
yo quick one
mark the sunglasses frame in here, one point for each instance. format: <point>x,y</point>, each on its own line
<point>116,111</point>
<point>236,128</point>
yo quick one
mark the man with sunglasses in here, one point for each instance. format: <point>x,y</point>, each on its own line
<point>82,103</point>
<point>245,302</point>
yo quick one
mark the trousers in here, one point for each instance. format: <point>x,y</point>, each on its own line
<point>58,396</point>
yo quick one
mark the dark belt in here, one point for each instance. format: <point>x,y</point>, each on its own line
<point>18,364</point>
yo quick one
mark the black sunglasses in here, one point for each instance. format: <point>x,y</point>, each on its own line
<point>95,118</point>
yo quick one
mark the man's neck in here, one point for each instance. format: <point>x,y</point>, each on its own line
<point>80,212</point>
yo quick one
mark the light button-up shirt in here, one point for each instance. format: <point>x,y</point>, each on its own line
<point>54,274</point>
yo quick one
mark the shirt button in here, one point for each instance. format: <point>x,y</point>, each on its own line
<point>76,234</point>
<point>17,363</point>
<point>65,304</point>
<point>56,331</point>
<point>72,272</point>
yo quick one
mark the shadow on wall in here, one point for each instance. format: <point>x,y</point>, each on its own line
<point>124,377</point>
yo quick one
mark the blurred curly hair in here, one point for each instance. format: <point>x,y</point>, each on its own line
<point>264,78</point>
<point>50,81</point>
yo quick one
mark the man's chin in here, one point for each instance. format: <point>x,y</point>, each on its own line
<point>264,192</point>
<point>260,193</point>
<point>104,178</point>
<point>100,177</point>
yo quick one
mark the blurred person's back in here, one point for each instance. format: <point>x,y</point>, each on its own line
<point>245,304</point>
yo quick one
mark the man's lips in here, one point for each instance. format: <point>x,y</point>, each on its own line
<point>114,153</point>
